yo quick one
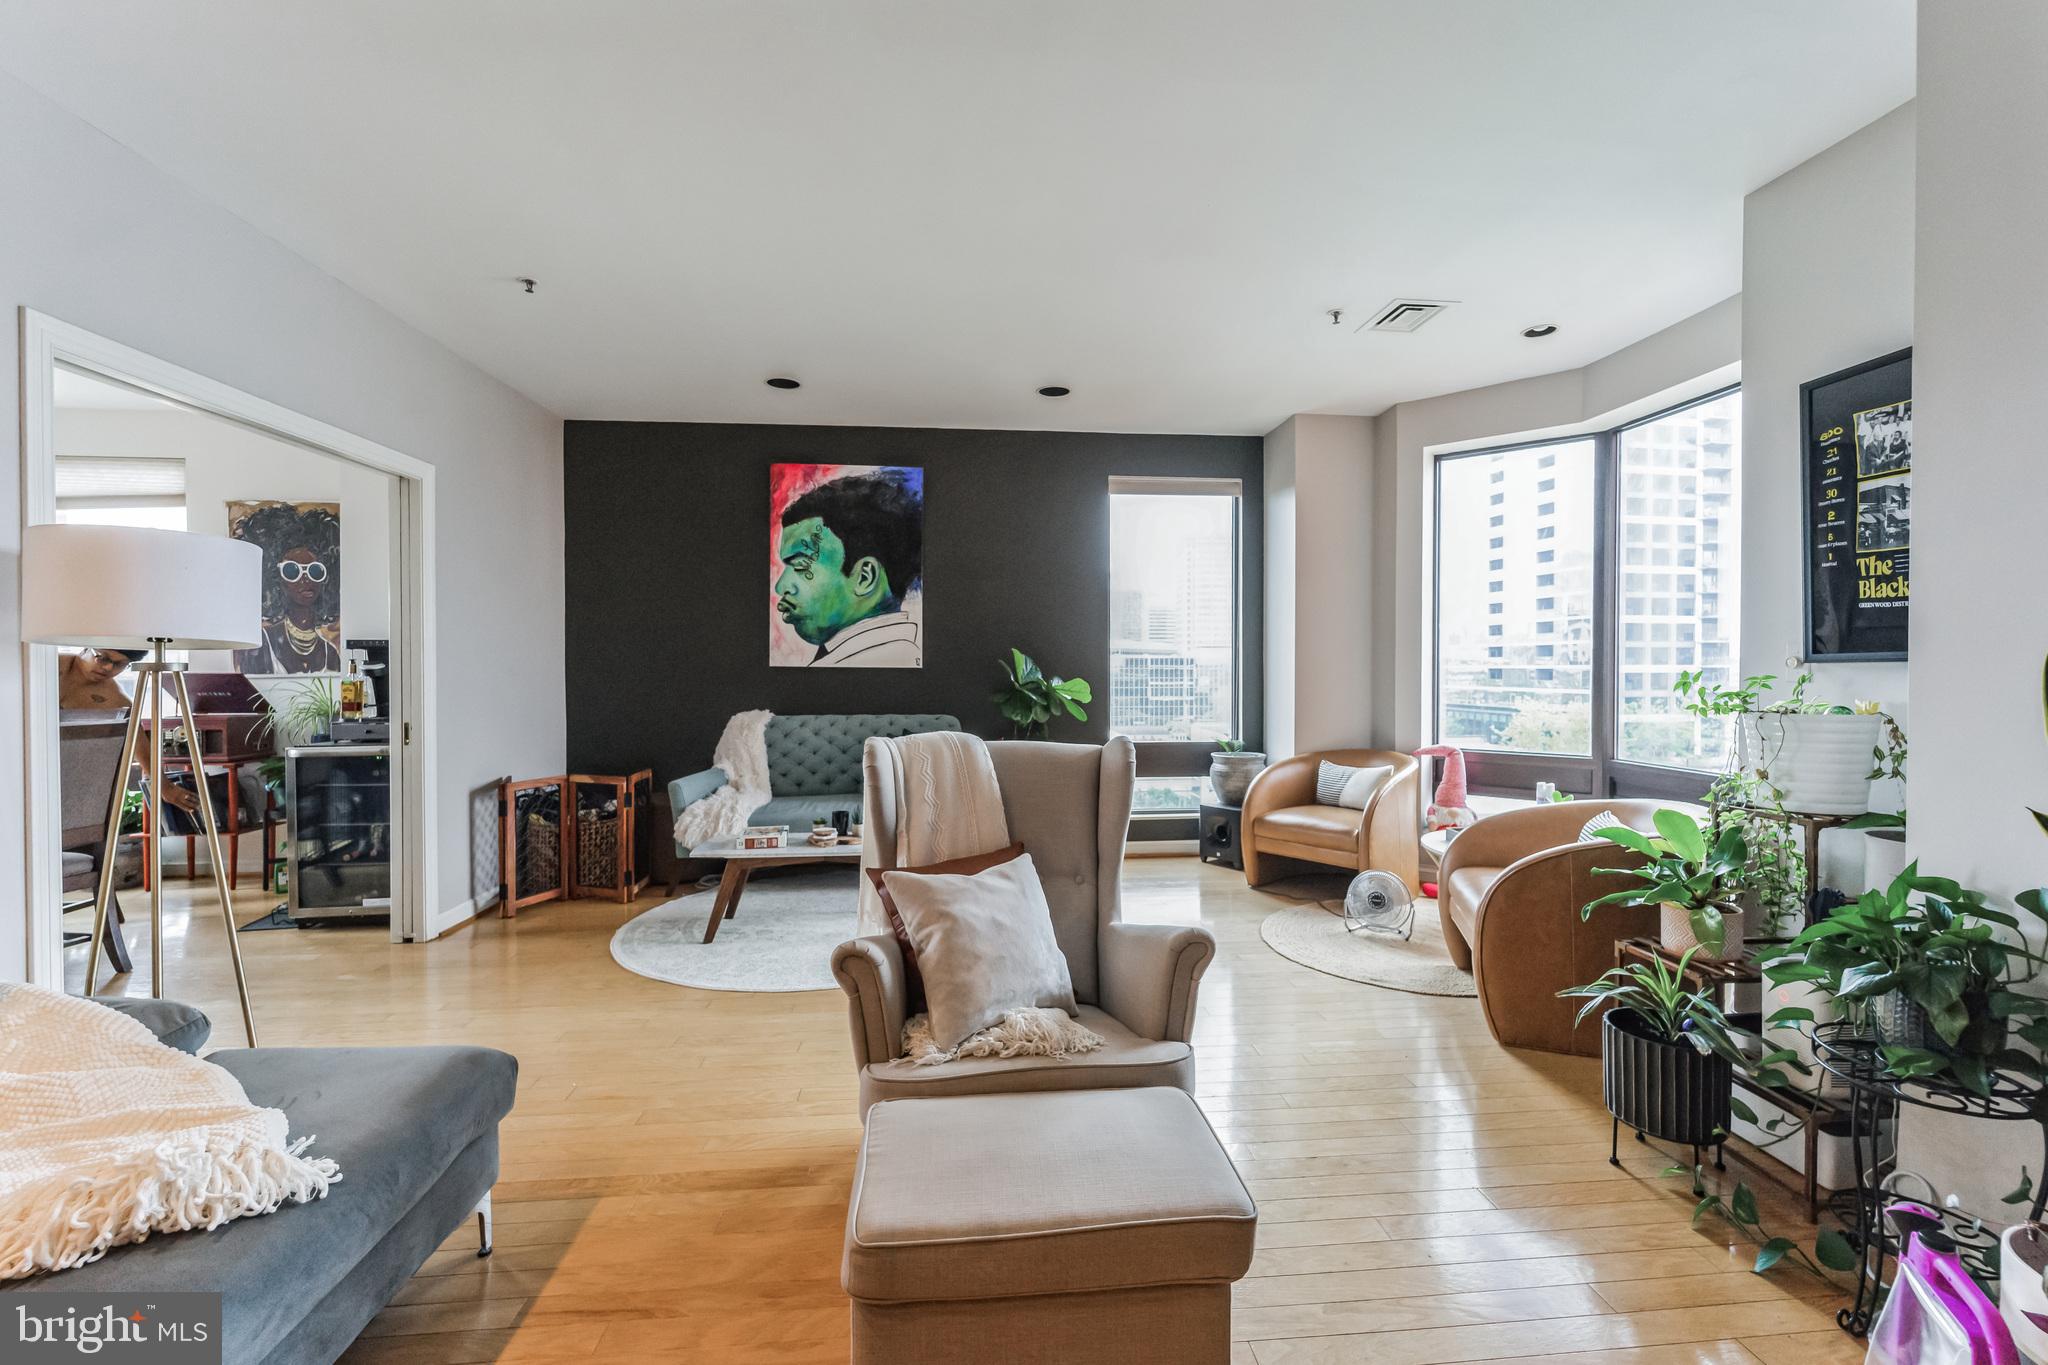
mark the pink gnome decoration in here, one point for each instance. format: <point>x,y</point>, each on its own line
<point>1447,809</point>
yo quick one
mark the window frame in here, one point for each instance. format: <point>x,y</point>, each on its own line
<point>1602,773</point>
<point>1188,758</point>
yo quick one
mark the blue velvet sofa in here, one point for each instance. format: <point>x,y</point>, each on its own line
<point>813,767</point>
<point>416,1132</point>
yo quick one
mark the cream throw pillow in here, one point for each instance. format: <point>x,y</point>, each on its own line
<point>985,946</point>
<point>1337,785</point>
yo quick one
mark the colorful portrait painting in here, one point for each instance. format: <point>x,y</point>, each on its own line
<point>301,544</point>
<point>846,566</point>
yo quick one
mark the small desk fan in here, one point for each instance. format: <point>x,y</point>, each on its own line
<point>1378,903</point>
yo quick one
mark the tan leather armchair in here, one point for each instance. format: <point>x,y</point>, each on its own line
<point>1283,828</point>
<point>1510,892</point>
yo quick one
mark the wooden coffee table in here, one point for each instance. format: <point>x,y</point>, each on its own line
<point>741,863</point>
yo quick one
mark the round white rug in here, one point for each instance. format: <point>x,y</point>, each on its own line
<point>1314,936</point>
<point>781,939</point>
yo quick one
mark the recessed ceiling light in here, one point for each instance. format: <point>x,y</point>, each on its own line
<point>780,382</point>
<point>1541,329</point>
<point>1054,391</point>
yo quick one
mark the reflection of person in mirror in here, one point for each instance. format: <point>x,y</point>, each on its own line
<point>301,589</point>
<point>89,681</point>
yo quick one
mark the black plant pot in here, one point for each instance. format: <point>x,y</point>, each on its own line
<point>1671,1091</point>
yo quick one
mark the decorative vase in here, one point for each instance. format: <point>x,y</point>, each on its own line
<point>1674,931</point>
<point>1669,1090</point>
<point>1819,761</point>
<point>1231,774</point>
<point>1900,1022</point>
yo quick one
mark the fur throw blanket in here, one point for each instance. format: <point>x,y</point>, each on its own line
<point>742,754</point>
<point>946,802</point>
<point>108,1136</point>
<point>1032,1032</point>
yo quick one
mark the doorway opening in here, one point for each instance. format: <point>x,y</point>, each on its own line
<point>315,746</point>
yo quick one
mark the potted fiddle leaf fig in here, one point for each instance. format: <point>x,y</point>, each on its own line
<point>1232,768</point>
<point>1695,883</point>
<point>1031,697</point>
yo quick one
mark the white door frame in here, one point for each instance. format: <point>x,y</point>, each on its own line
<point>45,341</point>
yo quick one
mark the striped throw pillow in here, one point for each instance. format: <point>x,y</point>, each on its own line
<point>1604,820</point>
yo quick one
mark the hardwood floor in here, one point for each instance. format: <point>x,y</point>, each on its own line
<point>677,1167</point>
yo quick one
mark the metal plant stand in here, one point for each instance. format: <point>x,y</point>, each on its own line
<point>1874,1101</point>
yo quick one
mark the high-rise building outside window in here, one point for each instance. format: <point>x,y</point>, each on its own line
<point>1533,583</point>
<point>1173,665</point>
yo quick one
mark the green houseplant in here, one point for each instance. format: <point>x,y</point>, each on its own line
<point>1031,697</point>
<point>1920,962</point>
<point>1743,798</point>
<point>1693,880</point>
<point>1665,1055</point>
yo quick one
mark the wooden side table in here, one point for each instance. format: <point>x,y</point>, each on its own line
<point>1746,970</point>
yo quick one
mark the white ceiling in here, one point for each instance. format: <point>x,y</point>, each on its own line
<point>925,209</point>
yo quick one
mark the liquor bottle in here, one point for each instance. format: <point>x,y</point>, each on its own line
<point>352,694</point>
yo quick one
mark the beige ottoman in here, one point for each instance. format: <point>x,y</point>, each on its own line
<point>1048,1228</point>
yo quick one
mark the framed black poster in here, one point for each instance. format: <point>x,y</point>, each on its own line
<point>1857,425</point>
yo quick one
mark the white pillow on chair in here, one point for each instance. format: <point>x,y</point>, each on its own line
<point>1601,820</point>
<point>985,946</point>
<point>1337,785</point>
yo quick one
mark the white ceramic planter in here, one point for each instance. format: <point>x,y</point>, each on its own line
<point>1674,931</point>
<point>1231,774</point>
<point>1820,762</point>
<point>2023,1258</point>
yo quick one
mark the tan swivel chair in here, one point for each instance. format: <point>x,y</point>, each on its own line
<point>1070,806</point>
<point>1511,890</point>
<point>1286,833</point>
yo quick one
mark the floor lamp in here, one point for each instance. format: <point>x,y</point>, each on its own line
<point>132,588</point>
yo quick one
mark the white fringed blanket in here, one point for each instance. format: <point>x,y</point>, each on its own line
<point>108,1136</point>
<point>742,753</point>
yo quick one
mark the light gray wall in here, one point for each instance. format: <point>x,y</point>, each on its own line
<point>94,235</point>
<point>1690,356</point>
<point>1979,624</point>
<point>228,462</point>
<point>1319,577</point>
<point>1281,508</point>
<point>1827,282</point>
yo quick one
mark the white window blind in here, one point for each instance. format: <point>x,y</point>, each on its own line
<point>104,481</point>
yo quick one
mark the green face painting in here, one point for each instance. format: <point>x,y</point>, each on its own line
<point>818,593</point>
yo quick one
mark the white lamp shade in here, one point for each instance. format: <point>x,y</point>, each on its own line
<point>120,587</point>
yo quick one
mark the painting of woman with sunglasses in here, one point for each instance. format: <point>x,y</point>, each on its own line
<point>301,544</point>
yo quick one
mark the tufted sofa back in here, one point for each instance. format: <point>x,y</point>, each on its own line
<point>820,755</point>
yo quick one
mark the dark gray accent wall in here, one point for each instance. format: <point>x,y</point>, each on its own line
<point>668,575</point>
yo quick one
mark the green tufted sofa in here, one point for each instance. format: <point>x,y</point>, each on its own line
<point>813,767</point>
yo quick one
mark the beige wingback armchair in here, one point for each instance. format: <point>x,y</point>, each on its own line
<point>1512,888</point>
<point>1070,806</point>
<point>1283,827</point>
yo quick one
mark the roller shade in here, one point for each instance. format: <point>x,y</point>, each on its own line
<point>94,480</point>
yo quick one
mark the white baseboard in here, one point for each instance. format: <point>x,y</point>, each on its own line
<point>1161,848</point>
<point>454,916</point>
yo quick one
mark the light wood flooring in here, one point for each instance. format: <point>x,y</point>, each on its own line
<point>676,1170</point>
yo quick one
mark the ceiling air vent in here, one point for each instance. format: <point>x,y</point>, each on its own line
<point>1404,315</point>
